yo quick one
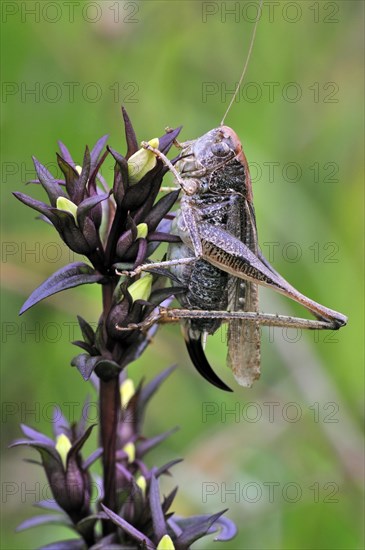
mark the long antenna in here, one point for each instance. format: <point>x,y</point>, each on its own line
<point>246,63</point>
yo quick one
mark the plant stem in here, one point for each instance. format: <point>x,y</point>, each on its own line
<point>109,413</point>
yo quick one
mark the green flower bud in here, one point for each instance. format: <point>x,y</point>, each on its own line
<point>142,162</point>
<point>142,484</point>
<point>126,391</point>
<point>63,445</point>
<point>130,449</point>
<point>165,543</point>
<point>141,289</point>
<point>142,230</point>
<point>65,204</point>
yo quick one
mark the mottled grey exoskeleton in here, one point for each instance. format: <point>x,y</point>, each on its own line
<point>219,261</point>
<point>215,166</point>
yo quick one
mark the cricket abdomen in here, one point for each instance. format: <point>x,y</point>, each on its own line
<point>207,290</point>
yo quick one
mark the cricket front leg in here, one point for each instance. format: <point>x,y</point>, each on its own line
<point>187,226</point>
<point>189,218</point>
<point>155,266</point>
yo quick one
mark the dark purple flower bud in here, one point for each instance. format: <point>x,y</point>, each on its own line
<point>69,481</point>
<point>70,232</point>
<point>125,241</point>
<point>118,317</point>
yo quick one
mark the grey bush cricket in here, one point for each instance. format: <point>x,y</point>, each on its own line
<point>219,260</point>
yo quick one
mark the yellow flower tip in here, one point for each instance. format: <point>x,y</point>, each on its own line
<point>63,445</point>
<point>130,450</point>
<point>126,391</point>
<point>78,169</point>
<point>141,289</point>
<point>65,204</point>
<point>142,162</point>
<point>165,543</point>
<point>142,230</point>
<point>154,142</point>
<point>142,484</point>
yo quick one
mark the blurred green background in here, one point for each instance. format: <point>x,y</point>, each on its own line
<point>287,461</point>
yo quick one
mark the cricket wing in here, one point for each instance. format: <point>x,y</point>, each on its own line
<point>243,355</point>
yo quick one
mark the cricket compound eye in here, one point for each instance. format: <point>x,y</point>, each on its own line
<point>221,149</point>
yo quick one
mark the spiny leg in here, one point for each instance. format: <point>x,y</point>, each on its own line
<point>169,165</point>
<point>155,265</point>
<point>167,315</point>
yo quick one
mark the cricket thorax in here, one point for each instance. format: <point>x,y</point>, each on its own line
<point>216,162</point>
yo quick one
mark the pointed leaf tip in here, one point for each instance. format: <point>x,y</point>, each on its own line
<point>72,275</point>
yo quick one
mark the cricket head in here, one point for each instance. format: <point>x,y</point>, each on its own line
<point>216,163</point>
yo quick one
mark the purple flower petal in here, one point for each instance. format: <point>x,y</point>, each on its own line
<point>81,188</point>
<point>96,150</point>
<point>71,176</point>
<point>70,544</point>
<point>84,346</point>
<point>166,467</point>
<point>87,204</point>
<point>145,446</point>
<point>85,364</point>
<point>128,528</point>
<point>169,499</point>
<point>41,207</point>
<point>194,528</point>
<point>66,153</point>
<point>228,529</point>
<point>60,423</point>
<point>132,143</point>
<point>88,332</point>
<point>160,209</point>
<point>48,505</point>
<point>151,388</point>
<point>71,275</point>
<point>76,447</point>
<point>167,140</point>
<point>43,520</point>
<point>36,435</point>
<point>158,518</point>
<point>92,458</point>
<point>49,183</point>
